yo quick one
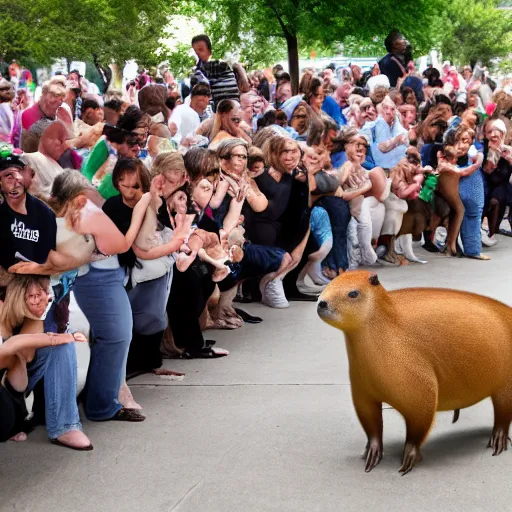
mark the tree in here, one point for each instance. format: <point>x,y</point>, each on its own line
<point>305,23</point>
<point>472,31</point>
<point>103,31</point>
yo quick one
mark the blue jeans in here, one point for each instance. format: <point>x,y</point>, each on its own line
<point>101,296</point>
<point>58,367</point>
<point>471,190</point>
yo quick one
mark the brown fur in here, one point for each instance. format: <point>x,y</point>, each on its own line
<point>396,359</point>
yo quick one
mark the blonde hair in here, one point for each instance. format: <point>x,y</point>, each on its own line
<point>168,161</point>
<point>14,310</point>
<point>66,186</point>
<point>54,87</point>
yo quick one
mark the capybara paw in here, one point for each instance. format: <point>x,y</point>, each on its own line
<point>373,454</point>
<point>499,441</point>
<point>412,455</point>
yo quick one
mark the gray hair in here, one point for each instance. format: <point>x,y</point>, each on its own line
<point>66,186</point>
<point>226,145</point>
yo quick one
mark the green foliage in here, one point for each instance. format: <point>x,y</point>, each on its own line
<point>180,60</point>
<point>110,30</point>
<point>256,29</point>
<point>472,30</point>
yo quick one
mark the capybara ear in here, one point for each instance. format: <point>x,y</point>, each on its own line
<point>374,280</point>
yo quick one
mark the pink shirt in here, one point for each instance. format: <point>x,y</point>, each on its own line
<point>30,116</point>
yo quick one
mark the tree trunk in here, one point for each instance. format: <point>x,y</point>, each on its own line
<point>293,61</point>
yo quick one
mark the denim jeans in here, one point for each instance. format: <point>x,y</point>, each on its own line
<point>471,190</point>
<point>58,367</point>
<point>101,296</point>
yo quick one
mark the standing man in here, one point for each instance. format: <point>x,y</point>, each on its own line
<point>224,81</point>
<point>394,64</point>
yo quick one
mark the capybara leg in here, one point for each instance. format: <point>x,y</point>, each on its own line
<point>418,426</point>
<point>502,403</point>
<point>456,415</point>
<point>369,413</point>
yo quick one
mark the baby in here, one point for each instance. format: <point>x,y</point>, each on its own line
<point>199,242</point>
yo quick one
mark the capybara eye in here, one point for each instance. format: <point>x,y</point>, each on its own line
<point>354,294</point>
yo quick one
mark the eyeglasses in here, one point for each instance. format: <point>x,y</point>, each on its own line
<point>133,142</point>
<point>299,116</point>
<point>239,156</point>
<point>236,120</point>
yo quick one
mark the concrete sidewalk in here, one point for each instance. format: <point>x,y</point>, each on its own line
<point>271,427</point>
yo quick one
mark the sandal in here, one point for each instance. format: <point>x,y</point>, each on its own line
<point>128,415</point>
<point>206,353</point>
<point>246,317</point>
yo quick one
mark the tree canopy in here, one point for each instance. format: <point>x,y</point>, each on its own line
<point>471,30</point>
<point>254,26</point>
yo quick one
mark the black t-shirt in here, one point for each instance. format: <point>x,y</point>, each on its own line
<point>121,216</point>
<point>33,235</point>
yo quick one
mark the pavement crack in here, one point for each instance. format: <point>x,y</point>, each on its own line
<point>186,494</point>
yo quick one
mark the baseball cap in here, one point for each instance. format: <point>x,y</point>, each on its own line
<point>8,158</point>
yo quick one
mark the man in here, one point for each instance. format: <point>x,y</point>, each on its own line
<point>252,107</point>
<point>92,113</point>
<point>27,226</point>
<point>394,64</point>
<point>389,139</point>
<point>222,79</point>
<point>185,119</point>
<point>52,96</point>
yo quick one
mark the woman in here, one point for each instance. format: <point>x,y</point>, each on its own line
<point>125,140</point>
<point>99,291</point>
<point>21,323</point>
<point>471,190</point>
<point>315,95</point>
<point>498,170</point>
<point>356,183</point>
<point>285,221</point>
<point>150,275</point>
<point>227,123</point>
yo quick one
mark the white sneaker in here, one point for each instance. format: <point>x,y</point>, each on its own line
<point>273,296</point>
<point>487,241</point>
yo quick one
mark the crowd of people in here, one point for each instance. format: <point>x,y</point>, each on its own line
<point>157,211</point>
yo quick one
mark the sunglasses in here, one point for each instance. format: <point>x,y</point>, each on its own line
<point>300,116</point>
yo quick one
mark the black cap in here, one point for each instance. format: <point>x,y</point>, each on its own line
<point>11,161</point>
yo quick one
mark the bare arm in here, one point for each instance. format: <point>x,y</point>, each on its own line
<point>55,264</point>
<point>390,144</point>
<point>351,194</point>
<point>467,171</point>
<point>109,239</point>
<point>161,250</point>
<point>256,198</point>
<point>220,194</point>
<point>233,216</point>
<point>21,342</point>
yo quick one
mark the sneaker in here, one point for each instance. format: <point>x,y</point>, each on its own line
<point>273,295</point>
<point>487,241</point>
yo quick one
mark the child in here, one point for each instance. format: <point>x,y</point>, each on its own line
<point>199,242</point>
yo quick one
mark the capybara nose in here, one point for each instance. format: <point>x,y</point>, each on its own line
<point>322,305</point>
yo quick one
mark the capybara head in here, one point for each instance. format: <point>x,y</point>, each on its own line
<point>348,301</point>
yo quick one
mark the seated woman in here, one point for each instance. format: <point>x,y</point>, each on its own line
<point>49,355</point>
<point>498,170</point>
<point>227,124</point>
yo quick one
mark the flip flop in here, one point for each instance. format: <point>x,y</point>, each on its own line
<point>247,318</point>
<point>206,353</point>
<point>77,448</point>
<point>481,257</point>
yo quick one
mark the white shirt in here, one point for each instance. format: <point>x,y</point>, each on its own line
<point>186,119</point>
